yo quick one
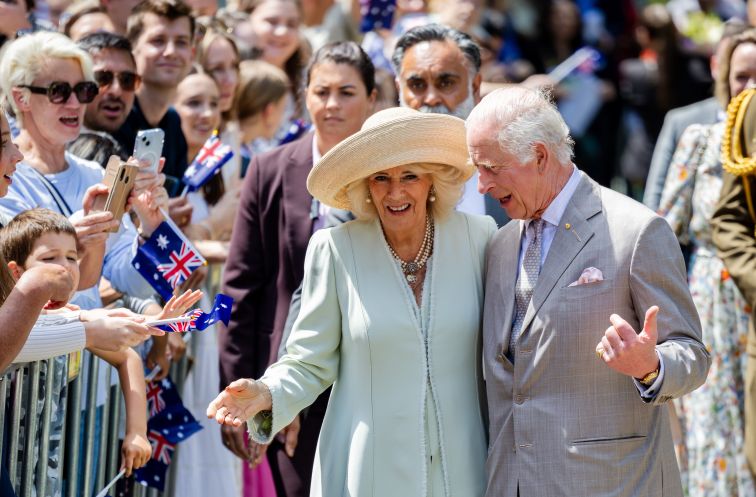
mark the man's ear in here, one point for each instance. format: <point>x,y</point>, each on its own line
<point>541,156</point>
<point>15,270</point>
<point>477,80</point>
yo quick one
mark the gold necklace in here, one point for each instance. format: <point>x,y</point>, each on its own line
<point>411,268</point>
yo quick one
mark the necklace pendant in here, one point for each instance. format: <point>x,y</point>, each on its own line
<point>411,278</point>
<point>412,267</point>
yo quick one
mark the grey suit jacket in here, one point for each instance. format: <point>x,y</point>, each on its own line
<point>562,423</point>
<point>675,122</point>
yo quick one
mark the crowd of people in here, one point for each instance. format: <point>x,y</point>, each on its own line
<point>444,280</point>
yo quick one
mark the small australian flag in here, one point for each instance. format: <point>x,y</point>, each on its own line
<point>213,155</point>
<point>167,259</point>
<point>199,320</point>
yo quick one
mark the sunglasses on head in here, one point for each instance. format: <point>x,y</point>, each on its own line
<point>126,79</point>
<point>59,91</point>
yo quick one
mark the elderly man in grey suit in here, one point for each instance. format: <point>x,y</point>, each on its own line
<point>589,329</point>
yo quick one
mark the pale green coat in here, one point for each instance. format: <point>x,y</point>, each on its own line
<point>357,331</point>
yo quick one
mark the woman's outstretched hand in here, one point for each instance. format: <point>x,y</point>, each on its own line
<point>241,400</point>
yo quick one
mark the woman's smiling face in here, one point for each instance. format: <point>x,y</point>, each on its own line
<point>400,197</point>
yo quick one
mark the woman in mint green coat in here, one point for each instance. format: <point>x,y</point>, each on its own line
<point>390,317</point>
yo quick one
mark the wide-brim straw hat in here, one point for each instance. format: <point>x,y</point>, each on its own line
<point>392,137</point>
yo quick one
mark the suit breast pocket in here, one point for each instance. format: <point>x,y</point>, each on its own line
<point>586,290</point>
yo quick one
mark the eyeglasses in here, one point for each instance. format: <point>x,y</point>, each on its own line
<point>59,91</point>
<point>127,80</point>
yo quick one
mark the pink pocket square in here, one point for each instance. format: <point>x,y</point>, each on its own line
<point>589,275</point>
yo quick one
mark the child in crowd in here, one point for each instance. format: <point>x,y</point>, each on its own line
<point>40,237</point>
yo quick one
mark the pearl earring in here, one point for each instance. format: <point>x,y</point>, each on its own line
<point>432,196</point>
<point>368,200</point>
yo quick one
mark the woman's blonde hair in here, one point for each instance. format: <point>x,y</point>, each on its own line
<point>260,84</point>
<point>447,186</point>
<point>24,59</point>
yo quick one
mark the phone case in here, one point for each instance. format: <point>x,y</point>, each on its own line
<point>111,171</point>
<point>120,191</point>
<point>149,146</point>
<point>119,178</point>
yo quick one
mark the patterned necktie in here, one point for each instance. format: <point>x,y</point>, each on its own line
<point>526,281</point>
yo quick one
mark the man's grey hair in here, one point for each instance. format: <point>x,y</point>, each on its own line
<point>437,32</point>
<point>523,117</point>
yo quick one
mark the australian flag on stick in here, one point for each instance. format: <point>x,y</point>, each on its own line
<point>199,320</point>
<point>207,164</point>
<point>167,259</point>
<point>170,423</point>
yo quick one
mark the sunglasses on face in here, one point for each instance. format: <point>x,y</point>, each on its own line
<point>59,91</point>
<point>127,80</point>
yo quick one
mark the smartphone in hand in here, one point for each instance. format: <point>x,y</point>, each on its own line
<point>119,178</point>
<point>149,147</point>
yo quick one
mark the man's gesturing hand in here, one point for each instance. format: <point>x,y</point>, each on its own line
<point>628,352</point>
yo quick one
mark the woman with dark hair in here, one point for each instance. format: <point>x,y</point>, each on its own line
<point>275,220</point>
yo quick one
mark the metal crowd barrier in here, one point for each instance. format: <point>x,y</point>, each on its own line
<point>25,424</point>
<point>26,410</point>
<point>25,430</point>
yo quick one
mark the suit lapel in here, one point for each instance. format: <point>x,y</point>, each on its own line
<point>296,199</point>
<point>584,204</point>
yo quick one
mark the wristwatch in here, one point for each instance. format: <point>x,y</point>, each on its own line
<point>650,377</point>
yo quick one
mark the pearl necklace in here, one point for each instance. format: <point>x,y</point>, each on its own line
<point>411,268</point>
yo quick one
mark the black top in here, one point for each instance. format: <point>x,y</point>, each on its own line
<point>174,149</point>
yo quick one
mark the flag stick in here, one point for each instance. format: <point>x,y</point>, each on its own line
<point>104,491</point>
<point>180,319</point>
<point>152,374</point>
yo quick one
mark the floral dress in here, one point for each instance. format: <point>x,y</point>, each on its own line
<point>712,416</point>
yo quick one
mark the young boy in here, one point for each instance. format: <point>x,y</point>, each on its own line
<point>39,237</point>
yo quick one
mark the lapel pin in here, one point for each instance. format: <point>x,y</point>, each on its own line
<point>568,227</point>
